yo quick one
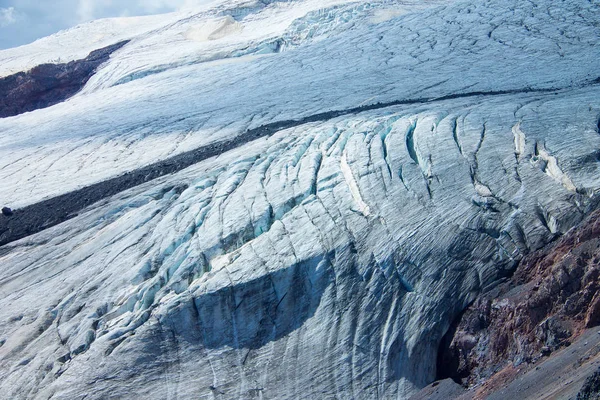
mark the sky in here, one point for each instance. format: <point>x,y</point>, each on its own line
<point>23,21</point>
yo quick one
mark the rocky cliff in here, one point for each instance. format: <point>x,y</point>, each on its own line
<point>546,306</point>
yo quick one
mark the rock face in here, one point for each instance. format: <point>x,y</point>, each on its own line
<point>591,388</point>
<point>550,300</point>
<point>49,84</point>
<point>325,258</point>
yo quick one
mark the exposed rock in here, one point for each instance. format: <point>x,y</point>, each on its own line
<point>440,390</point>
<point>7,212</point>
<point>49,84</point>
<point>561,375</point>
<point>551,298</point>
<point>327,256</point>
<point>591,388</point>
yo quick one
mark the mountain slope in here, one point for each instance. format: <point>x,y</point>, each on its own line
<point>323,260</point>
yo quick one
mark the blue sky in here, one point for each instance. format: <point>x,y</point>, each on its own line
<point>23,21</point>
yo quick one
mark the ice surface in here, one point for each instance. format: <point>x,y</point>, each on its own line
<point>325,261</point>
<point>182,102</point>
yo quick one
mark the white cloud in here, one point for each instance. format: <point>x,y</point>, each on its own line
<point>85,10</point>
<point>91,9</point>
<point>7,16</point>
<point>153,6</point>
<point>157,5</point>
<point>23,21</point>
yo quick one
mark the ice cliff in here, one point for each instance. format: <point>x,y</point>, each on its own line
<point>377,166</point>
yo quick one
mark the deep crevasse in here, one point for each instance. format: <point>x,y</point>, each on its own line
<point>260,273</point>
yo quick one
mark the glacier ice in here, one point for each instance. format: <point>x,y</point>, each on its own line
<point>326,260</point>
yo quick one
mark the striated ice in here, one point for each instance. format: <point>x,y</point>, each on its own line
<point>187,103</point>
<point>324,261</point>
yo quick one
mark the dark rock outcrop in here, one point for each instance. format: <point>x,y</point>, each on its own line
<point>553,296</point>
<point>49,84</point>
<point>591,388</point>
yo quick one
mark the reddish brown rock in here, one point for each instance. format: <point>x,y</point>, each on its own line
<point>553,295</point>
<point>593,316</point>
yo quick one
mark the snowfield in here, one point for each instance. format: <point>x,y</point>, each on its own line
<point>324,261</point>
<point>176,99</point>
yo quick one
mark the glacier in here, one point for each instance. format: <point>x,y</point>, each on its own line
<point>324,260</point>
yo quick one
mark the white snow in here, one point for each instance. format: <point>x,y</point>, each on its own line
<point>325,261</point>
<point>177,99</point>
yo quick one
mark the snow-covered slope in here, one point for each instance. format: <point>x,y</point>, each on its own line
<point>325,261</point>
<point>114,127</point>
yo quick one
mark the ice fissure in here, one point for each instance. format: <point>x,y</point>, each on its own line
<point>286,200</point>
<point>34,218</point>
